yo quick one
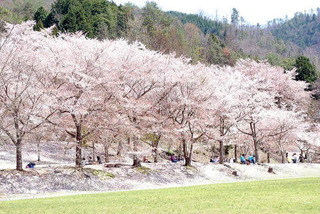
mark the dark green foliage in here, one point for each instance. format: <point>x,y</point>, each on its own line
<point>40,15</point>
<point>306,71</point>
<point>205,24</point>
<point>97,18</point>
<point>303,29</point>
<point>50,20</point>
<point>55,32</point>
<point>153,17</point>
<point>38,26</point>
<point>3,28</point>
<point>214,51</point>
<point>122,20</point>
<point>277,60</point>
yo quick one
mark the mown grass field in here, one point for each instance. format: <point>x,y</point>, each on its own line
<point>273,196</point>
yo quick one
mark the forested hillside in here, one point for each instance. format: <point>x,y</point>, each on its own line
<point>195,36</point>
<point>303,29</point>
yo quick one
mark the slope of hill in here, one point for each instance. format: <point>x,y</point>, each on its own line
<point>303,29</point>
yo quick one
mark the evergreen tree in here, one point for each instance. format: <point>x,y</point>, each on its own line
<point>38,26</point>
<point>40,15</point>
<point>90,16</point>
<point>235,16</point>
<point>306,71</point>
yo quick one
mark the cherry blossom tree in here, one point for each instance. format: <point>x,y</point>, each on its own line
<point>284,125</point>
<point>113,88</point>
<point>24,95</point>
<point>269,96</point>
<point>222,108</point>
<point>185,107</point>
<point>307,138</point>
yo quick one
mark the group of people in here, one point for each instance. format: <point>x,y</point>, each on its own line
<point>175,159</point>
<point>214,159</point>
<point>90,161</point>
<point>250,159</point>
<point>294,158</point>
<point>145,160</point>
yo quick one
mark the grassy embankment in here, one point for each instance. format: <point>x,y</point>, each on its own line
<point>275,196</point>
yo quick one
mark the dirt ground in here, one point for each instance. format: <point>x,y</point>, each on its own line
<point>47,181</point>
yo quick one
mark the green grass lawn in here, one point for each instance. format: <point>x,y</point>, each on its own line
<point>275,196</point>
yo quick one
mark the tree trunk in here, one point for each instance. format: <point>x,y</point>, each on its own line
<point>256,150</point>
<point>307,156</point>
<point>38,148</point>
<point>106,153</point>
<point>78,155</point>
<point>235,153</point>
<point>19,156</point>
<point>283,157</point>
<point>155,148</point>
<point>213,150</point>
<point>180,150</point>
<point>185,152</point>
<point>155,158</point>
<point>78,147</point>
<point>187,155</point>
<point>93,152</point>
<point>221,151</point>
<point>302,158</point>
<point>120,147</point>
<point>129,143</point>
<point>136,161</point>
<point>188,161</point>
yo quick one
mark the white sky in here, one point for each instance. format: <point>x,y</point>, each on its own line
<point>253,11</point>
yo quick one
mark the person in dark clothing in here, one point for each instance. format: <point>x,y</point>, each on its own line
<point>173,159</point>
<point>30,165</point>
<point>99,160</point>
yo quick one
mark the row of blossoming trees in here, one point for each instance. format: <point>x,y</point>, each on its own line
<point>87,87</point>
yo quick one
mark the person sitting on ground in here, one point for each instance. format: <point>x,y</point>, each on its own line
<point>214,160</point>
<point>180,158</point>
<point>294,158</point>
<point>243,159</point>
<point>99,160</point>
<point>173,159</point>
<point>145,160</point>
<point>30,165</point>
<point>251,159</point>
<point>288,158</point>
